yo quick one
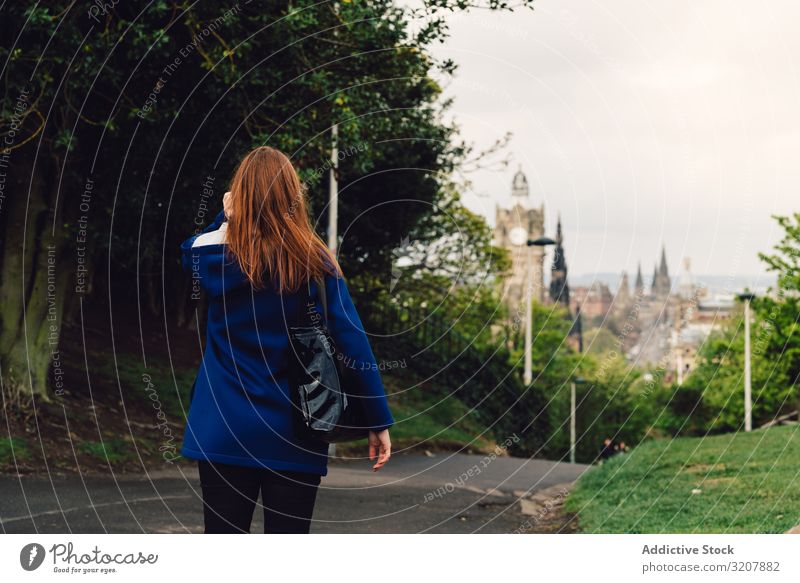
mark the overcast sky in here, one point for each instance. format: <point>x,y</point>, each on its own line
<point>641,122</point>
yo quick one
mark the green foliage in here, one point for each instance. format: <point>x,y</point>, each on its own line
<point>432,420</point>
<point>600,341</point>
<point>747,483</point>
<point>454,341</point>
<point>157,104</point>
<point>780,311</point>
<point>13,448</point>
<point>554,363</point>
<point>617,401</point>
<point>711,399</point>
<point>110,449</point>
<point>159,384</point>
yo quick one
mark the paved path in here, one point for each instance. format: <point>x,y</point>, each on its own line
<point>414,493</point>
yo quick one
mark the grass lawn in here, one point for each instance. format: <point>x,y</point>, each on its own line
<point>734,483</point>
<point>427,420</point>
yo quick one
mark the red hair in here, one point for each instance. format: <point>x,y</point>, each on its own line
<point>269,231</point>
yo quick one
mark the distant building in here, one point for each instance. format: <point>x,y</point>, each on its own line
<point>594,300</point>
<point>638,287</point>
<point>662,285</point>
<point>623,297</point>
<point>523,215</point>
<point>686,286</point>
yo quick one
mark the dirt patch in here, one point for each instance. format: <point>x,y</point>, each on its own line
<point>724,481</point>
<point>704,468</point>
<point>543,511</point>
<point>100,423</point>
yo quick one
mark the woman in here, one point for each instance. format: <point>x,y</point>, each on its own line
<point>253,261</point>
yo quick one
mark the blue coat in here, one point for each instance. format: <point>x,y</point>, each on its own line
<point>241,410</point>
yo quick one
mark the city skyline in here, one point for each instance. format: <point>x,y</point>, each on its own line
<point>640,125</point>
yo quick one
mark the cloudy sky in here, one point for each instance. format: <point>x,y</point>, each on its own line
<point>641,122</point>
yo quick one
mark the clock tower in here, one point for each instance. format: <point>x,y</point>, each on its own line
<point>510,224</point>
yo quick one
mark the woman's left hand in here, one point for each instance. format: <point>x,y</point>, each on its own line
<point>380,446</point>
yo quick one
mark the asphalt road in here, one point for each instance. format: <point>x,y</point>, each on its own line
<point>445,493</point>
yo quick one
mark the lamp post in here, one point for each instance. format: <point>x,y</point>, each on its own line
<point>747,297</point>
<point>540,242</point>
<point>572,414</point>
<point>333,192</point>
<point>519,237</point>
<point>333,212</point>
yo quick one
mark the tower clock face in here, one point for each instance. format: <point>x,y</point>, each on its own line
<point>518,236</point>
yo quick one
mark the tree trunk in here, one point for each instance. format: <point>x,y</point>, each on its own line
<point>33,280</point>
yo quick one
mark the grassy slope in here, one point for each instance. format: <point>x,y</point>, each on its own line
<point>86,430</point>
<point>424,420</point>
<point>99,434</point>
<point>748,482</point>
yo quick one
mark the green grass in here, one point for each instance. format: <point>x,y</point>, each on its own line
<point>439,422</point>
<point>162,385</point>
<point>11,448</point>
<point>747,482</point>
<point>421,419</point>
<point>112,450</point>
<point>426,420</point>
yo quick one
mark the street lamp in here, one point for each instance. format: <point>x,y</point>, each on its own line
<point>747,297</point>
<point>540,242</point>
<point>519,237</point>
<point>572,414</point>
<point>333,192</point>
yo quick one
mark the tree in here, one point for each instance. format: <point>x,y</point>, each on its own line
<point>64,106</point>
<point>711,398</point>
<point>778,339</point>
<point>123,124</point>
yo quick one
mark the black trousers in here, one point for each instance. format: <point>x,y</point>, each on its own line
<point>230,494</point>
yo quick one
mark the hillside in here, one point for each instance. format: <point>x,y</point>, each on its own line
<point>123,416</point>
<point>733,483</point>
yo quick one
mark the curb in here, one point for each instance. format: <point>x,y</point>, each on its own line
<point>543,501</point>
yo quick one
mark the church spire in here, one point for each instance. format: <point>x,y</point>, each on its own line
<point>639,286</point>
<point>559,234</point>
<point>559,288</point>
<point>623,296</point>
<point>662,269</point>
<point>662,284</point>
